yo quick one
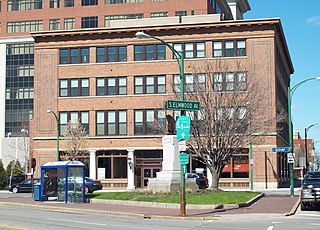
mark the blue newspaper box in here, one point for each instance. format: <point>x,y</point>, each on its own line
<point>36,191</point>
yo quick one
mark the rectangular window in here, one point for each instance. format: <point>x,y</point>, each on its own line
<point>74,56</point>
<point>148,121</point>
<point>111,122</point>
<point>193,82</point>
<point>122,1</point>
<point>159,14</point>
<point>109,18</point>
<point>111,54</point>
<point>230,81</point>
<point>138,53</point>
<point>68,3</point>
<point>69,23</point>
<point>74,117</point>
<point>89,2</point>
<point>217,49</point>
<point>54,24</point>
<point>63,88</point>
<point>149,52</point>
<point>89,22</point>
<point>14,5</point>
<point>24,26</point>
<point>64,56</point>
<point>54,3</point>
<point>74,87</point>
<point>241,48</point>
<point>181,13</point>
<point>191,50</point>
<point>229,48</point>
<point>111,86</point>
<point>149,84</point>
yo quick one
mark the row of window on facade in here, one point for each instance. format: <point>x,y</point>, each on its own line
<point>152,52</point>
<point>152,84</point>
<point>17,5</point>
<point>86,22</point>
<point>146,121</point>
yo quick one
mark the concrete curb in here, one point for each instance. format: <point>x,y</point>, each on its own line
<point>294,208</point>
<point>177,206</point>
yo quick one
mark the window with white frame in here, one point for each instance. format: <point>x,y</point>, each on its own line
<point>149,121</point>
<point>111,86</point>
<point>230,81</point>
<point>74,118</point>
<point>232,48</point>
<point>191,50</point>
<point>193,82</point>
<point>111,122</point>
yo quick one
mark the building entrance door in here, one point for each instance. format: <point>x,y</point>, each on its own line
<point>144,173</point>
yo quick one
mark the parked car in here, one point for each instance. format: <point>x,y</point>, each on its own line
<point>201,180</point>
<point>15,179</point>
<point>90,185</point>
<point>24,186</point>
<point>310,191</point>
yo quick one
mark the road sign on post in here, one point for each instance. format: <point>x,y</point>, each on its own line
<point>184,159</point>
<point>182,105</point>
<point>183,127</point>
<point>281,150</point>
<point>290,158</point>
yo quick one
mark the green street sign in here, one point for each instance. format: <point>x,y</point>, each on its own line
<point>182,105</point>
<point>184,158</point>
<point>183,127</point>
<point>183,135</point>
<point>183,123</point>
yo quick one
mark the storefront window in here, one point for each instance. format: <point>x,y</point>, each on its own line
<point>113,166</point>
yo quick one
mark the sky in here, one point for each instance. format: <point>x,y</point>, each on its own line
<point>301,25</point>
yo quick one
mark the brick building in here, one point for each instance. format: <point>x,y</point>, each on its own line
<point>90,66</point>
<point>112,72</point>
<point>20,17</point>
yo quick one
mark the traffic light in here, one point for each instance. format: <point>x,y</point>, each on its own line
<point>33,162</point>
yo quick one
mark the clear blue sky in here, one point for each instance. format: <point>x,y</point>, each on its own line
<point>301,24</point>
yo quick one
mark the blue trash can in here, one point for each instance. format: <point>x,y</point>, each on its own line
<point>36,191</point>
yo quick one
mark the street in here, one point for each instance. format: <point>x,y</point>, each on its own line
<point>28,218</point>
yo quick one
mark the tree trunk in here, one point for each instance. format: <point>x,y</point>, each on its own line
<point>215,180</point>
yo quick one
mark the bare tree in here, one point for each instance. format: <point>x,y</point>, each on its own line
<point>75,141</point>
<point>230,99</point>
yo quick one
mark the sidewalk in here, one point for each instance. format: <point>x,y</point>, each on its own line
<point>282,205</point>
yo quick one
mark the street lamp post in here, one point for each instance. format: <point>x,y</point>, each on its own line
<point>305,143</point>
<point>180,58</point>
<point>290,95</point>
<point>58,131</point>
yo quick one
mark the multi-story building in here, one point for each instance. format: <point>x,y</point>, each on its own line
<point>90,66</point>
<point>20,17</point>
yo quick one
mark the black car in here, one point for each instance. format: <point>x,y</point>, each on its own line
<point>24,186</point>
<point>310,191</point>
<point>201,180</point>
<point>15,179</point>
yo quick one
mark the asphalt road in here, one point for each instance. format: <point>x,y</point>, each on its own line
<point>28,218</point>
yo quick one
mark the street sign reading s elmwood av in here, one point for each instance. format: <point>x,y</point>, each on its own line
<point>182,105</point>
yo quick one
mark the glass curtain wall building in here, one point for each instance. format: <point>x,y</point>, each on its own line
<point>19,87</point>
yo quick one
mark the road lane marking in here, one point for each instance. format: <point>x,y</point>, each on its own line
<point>79,222</point>
<point>14,227</point>
<point>270,227</point>
<point>314,224</point>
